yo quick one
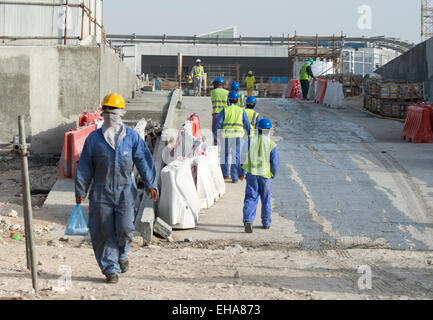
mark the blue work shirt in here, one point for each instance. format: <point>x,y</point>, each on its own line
<point>111,170</point>
<point>274,161</point>
<point>245,121</point>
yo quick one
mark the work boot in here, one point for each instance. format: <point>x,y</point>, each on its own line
<point>112,278</point>
<point>226,178</point>
<point>124,265</point>
<point>266,227</point>
<point>235,181</point>
<point>248,227</point>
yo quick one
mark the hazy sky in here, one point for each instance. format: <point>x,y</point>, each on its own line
<point>393,18</point>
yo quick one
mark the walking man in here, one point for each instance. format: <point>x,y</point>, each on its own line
<point>232,123</point>
<point>261,167</point>
<point>106,164</point>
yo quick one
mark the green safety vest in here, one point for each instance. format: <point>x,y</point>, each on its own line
<point>219,99</point>
<point>252,116</point>
<point>258,160</point>
<point>198,73</point>
<point>304,73</point>
<point>241,100</point>
<point>250,81</point>
<point>233,126</point>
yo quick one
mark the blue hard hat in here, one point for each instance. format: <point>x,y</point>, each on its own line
<point>235,86</point>
<point>251,100</point>
<point>233,95</point>
<point>264,124</point>
<point>218,80</point>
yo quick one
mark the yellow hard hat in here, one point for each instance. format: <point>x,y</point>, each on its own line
<point>114,100</point>
<point>250,72</point>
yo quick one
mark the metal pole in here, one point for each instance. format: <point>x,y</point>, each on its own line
<point>66,23</point>
<point>21,150</point>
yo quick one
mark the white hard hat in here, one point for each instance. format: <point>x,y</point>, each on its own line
<point>198,60</point>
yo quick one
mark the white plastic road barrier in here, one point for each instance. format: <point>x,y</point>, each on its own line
<point>179,205</point>
<point>334,97</point>
<point>186,144</point>
<point>205,187</point>
<point>209,179</point>
<point>215,171</point>
<point>312,92</point>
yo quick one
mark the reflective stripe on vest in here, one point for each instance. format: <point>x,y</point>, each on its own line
<point>233,126</point>
<point>219,99</point>
<point>304,73</point>
<point>252,116</point>
<point>258,161</point>
<point>241,100</point>
<point>198,74</point>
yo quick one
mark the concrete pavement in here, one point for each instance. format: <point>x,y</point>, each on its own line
<point>346,180</point>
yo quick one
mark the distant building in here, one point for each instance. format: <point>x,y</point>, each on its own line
<point>231,32</point>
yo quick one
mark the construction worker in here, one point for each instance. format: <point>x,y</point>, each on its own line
<point>250,81</point>
<point>253,116</point>
<point>197,73</point>
<point>235,87</point>
<point>305,74</point>
<point>261,167</point>
<point>232,121</point>
<point>219,97</point>
<point>106,164</point>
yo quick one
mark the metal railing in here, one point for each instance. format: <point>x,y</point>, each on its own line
<point>389,43</point>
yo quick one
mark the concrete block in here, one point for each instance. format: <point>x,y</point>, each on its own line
<point>145,219</point>
<point>162,229</point>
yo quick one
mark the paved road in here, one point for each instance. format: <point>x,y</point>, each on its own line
<point>346,180</point>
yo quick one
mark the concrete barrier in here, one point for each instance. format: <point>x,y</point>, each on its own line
<point>334,96</point>
<point>179,204</point>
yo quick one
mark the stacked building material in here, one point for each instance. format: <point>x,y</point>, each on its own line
<point>391,98</point>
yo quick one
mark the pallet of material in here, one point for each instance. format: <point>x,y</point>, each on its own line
<point>273,90</point>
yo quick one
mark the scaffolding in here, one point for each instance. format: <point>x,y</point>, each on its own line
<point>328,48</point>
<point>87,21</point>
<point>426,19</point>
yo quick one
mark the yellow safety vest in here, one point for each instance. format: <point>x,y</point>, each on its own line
<point>233,125</point>
<point>304,73</point>
<point>219,98</point>
<point>250,82</point>
<point>259,157</point>
<point>198,73</point>
<point>252,116</point>
<point>241,100</point>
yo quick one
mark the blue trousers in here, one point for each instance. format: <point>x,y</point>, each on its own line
<point>111,226</point>
<point>231,157</point>
<point>258,187</point>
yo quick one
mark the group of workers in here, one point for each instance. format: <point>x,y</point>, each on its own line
<point>105,170</point>
<point>247,150</point>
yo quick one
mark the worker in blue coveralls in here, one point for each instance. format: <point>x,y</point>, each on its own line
<point>232,121</point>
<point>107,163</point>
<point>261,166</point>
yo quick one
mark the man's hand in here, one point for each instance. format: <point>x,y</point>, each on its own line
<point>153,194</point>
<point>79,200</point>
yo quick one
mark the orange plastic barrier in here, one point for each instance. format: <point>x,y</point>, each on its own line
<point>196,131</point>
<point>418,127</point>
<point>322,85</point>
<point>294,89</point>
<point>73,146</point>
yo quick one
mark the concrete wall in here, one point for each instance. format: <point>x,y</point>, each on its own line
<point>415,65</point>
<point>52,86</point>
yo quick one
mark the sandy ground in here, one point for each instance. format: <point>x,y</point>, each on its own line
<point>349,194</point>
